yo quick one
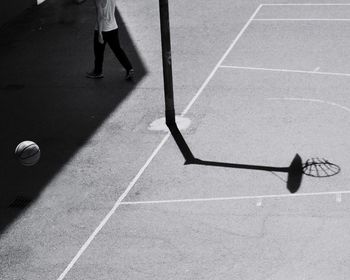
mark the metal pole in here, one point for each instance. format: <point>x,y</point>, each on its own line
<point>167,69</point>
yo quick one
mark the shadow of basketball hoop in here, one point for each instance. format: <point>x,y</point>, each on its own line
<point>295,171</point>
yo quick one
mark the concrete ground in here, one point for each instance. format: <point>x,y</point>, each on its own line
<point>112,199</point>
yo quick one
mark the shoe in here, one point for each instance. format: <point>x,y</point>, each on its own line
<point>94,75</point>
<point>130,74</point>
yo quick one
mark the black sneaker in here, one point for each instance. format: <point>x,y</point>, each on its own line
<point>94,75</point>
<point>130,74</point>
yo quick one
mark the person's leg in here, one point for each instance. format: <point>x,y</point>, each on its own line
<point>99,54</point>
<point>112,38</point>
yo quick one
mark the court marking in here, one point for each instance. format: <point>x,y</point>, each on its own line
<point>112,211</point>
<point>302,19</point>
<point>219,65</point>
<point>285,70</point>
<point>311,100</point>
<point>302,4</point>
<point>306,4</point>
<point>220,61</point>
<point>230,198</point>
<point>155,152</point>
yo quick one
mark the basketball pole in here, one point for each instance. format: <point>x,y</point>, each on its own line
<point>167,68</point>
<point>168,83</point>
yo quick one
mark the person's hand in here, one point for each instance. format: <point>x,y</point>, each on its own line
<point>100,38</point>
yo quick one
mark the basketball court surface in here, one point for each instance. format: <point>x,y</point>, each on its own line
<point>277,84</point>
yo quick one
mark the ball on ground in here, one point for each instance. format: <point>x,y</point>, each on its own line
<point>27,153</point>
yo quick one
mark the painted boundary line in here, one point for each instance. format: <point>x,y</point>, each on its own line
<point>302,19</point>
<point>285,70</point>
<point>311,100</point>
<point>171,201</point>
<point>155,152</point>
<point>303,4</point>
<point>306,4</point>
<point>112,211</point>
<point>220,61</point>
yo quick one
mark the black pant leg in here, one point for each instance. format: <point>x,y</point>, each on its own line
<point>99,50</point>
<point>112,38</point>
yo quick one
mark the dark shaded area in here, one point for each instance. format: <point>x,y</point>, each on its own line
<point>295,170</point>
<point>11,9</point>
<point>45,97</point>
<point>295,174</point>
<point>20,203</point>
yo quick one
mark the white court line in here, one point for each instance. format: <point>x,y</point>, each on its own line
<point>285,70</point>
<point>311,100</point>
<point>259,197</point>
<point>220,61</point>
<point>301,19</point>
<point>111,212</point>
<point>155,152</point>
<point>306,4</point>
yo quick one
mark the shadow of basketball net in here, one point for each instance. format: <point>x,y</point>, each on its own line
<point>312,167</point>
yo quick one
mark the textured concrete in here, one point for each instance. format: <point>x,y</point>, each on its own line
<point>243,116</point>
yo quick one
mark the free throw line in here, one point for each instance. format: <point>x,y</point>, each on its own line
<point>311,100</point>
<point>155,152</point>
<point>306,4</point>
<point>286,70</point>
<point>337,193</point>
<point>302,19</point>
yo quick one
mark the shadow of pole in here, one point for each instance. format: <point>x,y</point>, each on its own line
<point>295,170</point>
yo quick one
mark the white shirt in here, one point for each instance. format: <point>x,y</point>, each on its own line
<point>105,13</point>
